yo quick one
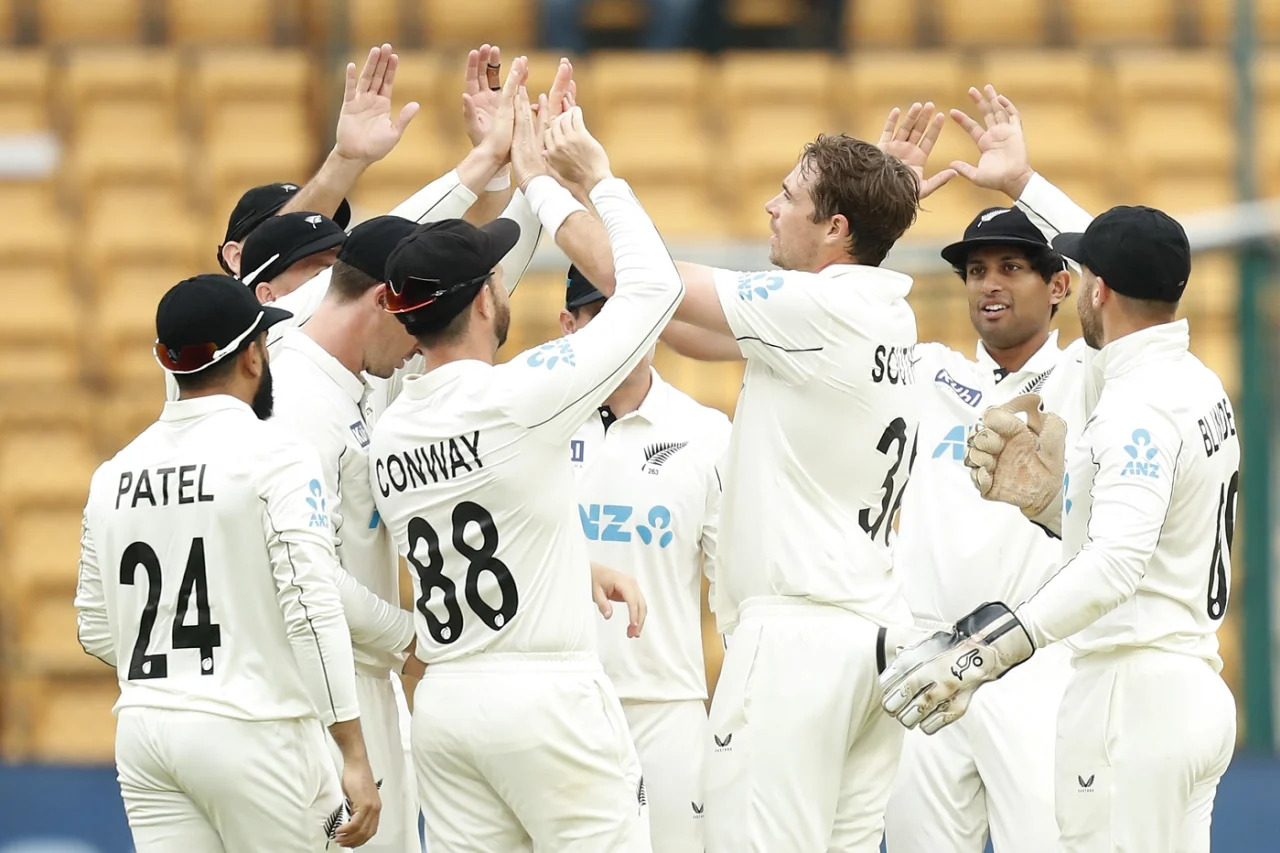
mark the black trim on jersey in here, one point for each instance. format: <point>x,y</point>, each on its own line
<point>337,491</point>
<point>1047,532</point>
<point>778,346</point>
<point>719,482</point>
<point>266,510</point>
<point>662,321</point>
<point>421,219</point>
<point>1042,217</point>
<point>514,282</point>
<point>881,663</point>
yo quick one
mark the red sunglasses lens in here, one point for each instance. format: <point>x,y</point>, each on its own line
<point>185,359</point>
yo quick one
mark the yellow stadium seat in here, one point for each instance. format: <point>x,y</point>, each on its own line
<point>1182,194</point>
<point>616,14</point>
<point>1038,76</point>
<point>684,212</point>
<point>101,21</point>
<point>755,79</point>
<point>114,161</point>
<point>944,215</point>
<point>136,203</point>
<point>230,169</point>
<point>50,468</point>
<point>223,22</point>
<point>24,90</point>
<point>1130,21</point>
<point>767,142</point>
<point>110,244</point>
<point>371,22</point>
<point>874,83</point>
<point>135,88</point>
<point>1176,77</point>
<point>1188,139</point>
<point>880,24</point>
<point>125,312</point>
<point>122,417</point>
<point>640,151</point>
<point>33,238</point>
<point>235,77</point>
<point>41,366</point>
<point>35,408</point>
<point>8,20</point>
<point>1214,288</point>
<point>40,306</point>
<point>1215,21</point>
<point>641,79</point>
<point>1063,140</point>
<point>970,22</point>
<point>46,635</point>
<point>68,718</point>
<point>509,23</point>
<point>764,13</point>
<point>28,198</point>
<point>1095,193</point>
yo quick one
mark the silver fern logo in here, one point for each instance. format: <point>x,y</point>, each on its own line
<point>656,454</point>
<point>339,816</point>
<point>1036,383</point>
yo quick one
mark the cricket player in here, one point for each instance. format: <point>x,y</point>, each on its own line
<point>256,206</point>
<point>823,440</point>
<point>1145,501</point>
<point>647,466</point>
<point>991,774</point>
<point>321,396</point>
<point>288,250</point>
<point>206,579</point>
<point>519,739</point>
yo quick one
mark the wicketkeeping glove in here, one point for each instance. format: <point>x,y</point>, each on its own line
<point>1015,462</point>
<point>931,683</point>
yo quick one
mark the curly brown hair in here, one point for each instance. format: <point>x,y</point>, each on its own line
<point>876,192</point>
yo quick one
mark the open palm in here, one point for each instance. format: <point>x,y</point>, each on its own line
<point>913,140</point>
<point>366,130</point>
<point>1002,147</point>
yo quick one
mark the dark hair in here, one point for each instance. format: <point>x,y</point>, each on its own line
<point>591,309</point>
<point>424,323</point>
<point>1045,261</point>
<point>876,192</point>
<point>215,374</point>
<point>349,283</point>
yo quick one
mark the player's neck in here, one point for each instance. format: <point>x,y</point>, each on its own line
<point>631,393</point>
<point>340,331</point>
<point>471,349</point>
<point>1016,357</point>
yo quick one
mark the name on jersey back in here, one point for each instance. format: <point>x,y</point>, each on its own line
<point>151,486</point>
<point>443,460</point>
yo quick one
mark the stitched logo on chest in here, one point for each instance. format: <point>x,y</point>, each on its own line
<point>656,454</point>
<point>967,395</point>
<point>361,434</point>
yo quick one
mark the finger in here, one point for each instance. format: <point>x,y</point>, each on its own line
<point>572,97</point>
<point>366,73</point>
<point>966,170</point>
<point>979,459</point>
<point>390,79</point>
<point>471,78</point>
<point>988,440</point>
<point>921,125</point>
<point>931,133</point>
<point>982,480</point>
<point>903,133</point>
<point>493,70</point>
<point>937,182</point>
<point>380,69</point>
<point>349,87</point>
<point>984,107</point>
<point>601,598</point>
<point>407,112</point>
<point>636,610</point>
<point>469,114</point>
<point>1002,422</point>
<point>890,124</point>
<point>997,109</point>
<point>544,111</point>
<point>969,125</point>
<point>578,122</point>
<point>1015,117</point>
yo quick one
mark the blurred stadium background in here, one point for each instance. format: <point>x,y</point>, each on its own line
<point>128,128</point>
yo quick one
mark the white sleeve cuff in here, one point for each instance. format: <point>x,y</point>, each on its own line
<point>552,203</point>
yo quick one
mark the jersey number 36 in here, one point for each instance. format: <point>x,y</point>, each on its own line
<point>431,576</point>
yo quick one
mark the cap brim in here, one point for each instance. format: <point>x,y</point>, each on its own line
<point>270,316</point>
<point>586,299</point>
<point>342,215</point>
<point>1070,246</point>
<point>957,254</point>
<point>503,235</point>
<point>320,244</point>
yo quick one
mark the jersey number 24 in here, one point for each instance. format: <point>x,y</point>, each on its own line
<point>203,635</point>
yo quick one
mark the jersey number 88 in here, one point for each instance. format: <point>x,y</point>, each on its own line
<point>431,576</point>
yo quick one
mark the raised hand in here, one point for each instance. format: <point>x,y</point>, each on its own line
<point>481,91</point>
<point>1002,161</point>
<point>527,160</point>
<point>573,152</point>
<point>563,95</point>
<point>501,124</point>
<point>913,140</point>
<point>366,132</point>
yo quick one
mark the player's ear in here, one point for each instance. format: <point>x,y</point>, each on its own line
<point>253,361</point>
<point>838,229</point>
<point>263,292</point>
<point>1059,287</point>
<point>231,254</point>
<point>568,324</point>
<point>380,296</point>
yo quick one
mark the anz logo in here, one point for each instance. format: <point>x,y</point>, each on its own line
<point>954,442</point>
<point>1142,454</point>
<point>758,285</point>
<point>553,353</point>
<point>613,523</point>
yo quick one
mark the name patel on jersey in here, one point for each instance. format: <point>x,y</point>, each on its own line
<point>150,486</point>
<point>895,365</point>
<point>443,460</point>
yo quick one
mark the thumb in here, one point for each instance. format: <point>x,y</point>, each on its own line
<point>937,182</point>
<point>1003,422</point>
<point>965,170</point>
<point>1053,436</point>
<point>406,115</point>
<point>468,107</point>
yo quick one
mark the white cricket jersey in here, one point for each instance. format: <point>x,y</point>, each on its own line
<point>955,550</point>
<point>318,400</point>
<point>207,571</point>
<point>649,501</point>
<point>823,440</point>
<point>1149,507</point>
<point>471,475</point>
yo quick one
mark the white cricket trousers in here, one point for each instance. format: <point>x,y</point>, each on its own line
<point>380,723</point>
<point>991,771</point>
<point>802,755</point>
<point>670,739</point>
<point>1143,738</point>
<point>526,752</point>
<point>199,783</point>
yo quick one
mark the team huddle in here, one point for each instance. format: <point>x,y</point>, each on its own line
<point>887,526</point>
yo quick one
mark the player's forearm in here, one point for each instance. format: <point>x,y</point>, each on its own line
<point>375,623</point>
<point>701,306</point>
<point>330,185</point>
<point>700,344</point>
<point>578,232</point>
<point>516,261</point>
<point>1052,210</point>
<point>321,643</point>
<point>1087,588</point>
<point>349,736</point>
<point>444,198</point>
<point>492,202</point>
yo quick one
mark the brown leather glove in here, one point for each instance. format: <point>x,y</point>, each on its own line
<point>1019,462</point>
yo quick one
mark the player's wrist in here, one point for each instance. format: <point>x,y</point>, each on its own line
<point>550,202</point>
<point>1016,185</point>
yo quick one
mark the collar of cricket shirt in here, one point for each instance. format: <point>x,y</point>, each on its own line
<point>1043,359</point>
<point>352,385</point>
<point>654,404</point>
<point>422,385</point>
<point>1156,343</point>
<point>180,410</point>
<point>886,285</point>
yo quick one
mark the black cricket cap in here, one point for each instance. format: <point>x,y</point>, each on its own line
<point>437,270</point>
<point>995,226</point>
<point>579,291</point>
<point>282,241</point>
<point>1138,251</point>
<point>371,242</point>
<point>204,319</point>
<point>259,204</point>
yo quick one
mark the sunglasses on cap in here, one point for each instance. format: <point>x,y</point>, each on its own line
<point>401,301</point>
<point>193,358</point>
